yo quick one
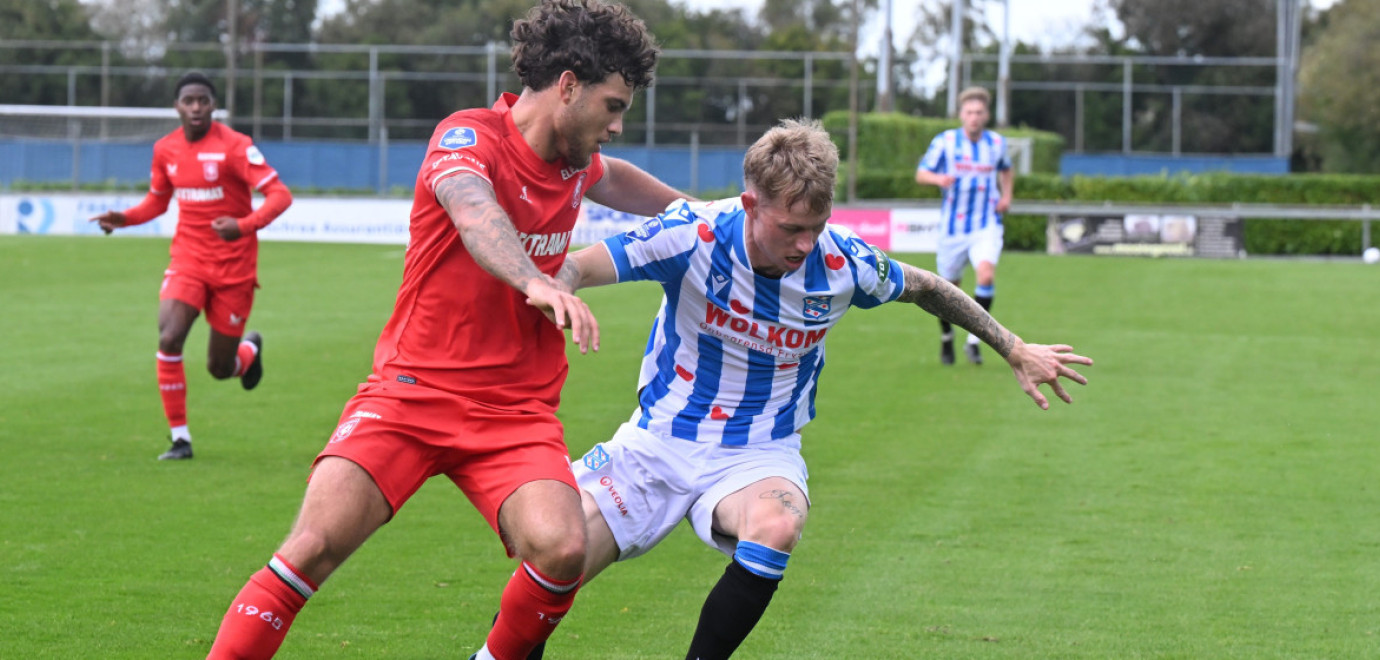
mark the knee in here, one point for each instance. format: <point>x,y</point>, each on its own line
<point>220,368</point>
<point>559,553</point>
<point>778,532</point>
<point>170,343</point>
<point>312,553</point>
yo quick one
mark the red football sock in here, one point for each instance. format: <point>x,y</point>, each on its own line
<point>244,356</point>
<point>261,613</point>
<point>172,384</point>
<point>531,606</point>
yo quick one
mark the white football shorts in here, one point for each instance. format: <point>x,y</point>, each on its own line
<point>955,252</point>
<point>645,484</point>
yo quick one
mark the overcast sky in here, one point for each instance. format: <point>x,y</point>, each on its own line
<point>1043,22</point>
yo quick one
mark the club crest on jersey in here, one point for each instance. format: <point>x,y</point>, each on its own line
<point>596,458</point>
<point>458,138</point>
<point>817,307</point>
<point>579,190</point>
<point>210,170</point>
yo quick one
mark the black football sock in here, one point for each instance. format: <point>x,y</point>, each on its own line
<point>732,609</point>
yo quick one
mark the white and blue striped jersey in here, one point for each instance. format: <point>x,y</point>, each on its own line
<point>735,357</point>
<point>971,203</point>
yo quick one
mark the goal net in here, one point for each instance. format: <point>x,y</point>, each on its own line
<point>89,123</point>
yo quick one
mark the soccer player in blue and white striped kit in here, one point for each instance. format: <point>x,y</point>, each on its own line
<point>971,164</point>
<point>752,285</point>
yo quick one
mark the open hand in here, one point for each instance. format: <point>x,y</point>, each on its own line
<point>1037,364</point>
<point>110,221</point>
<point>566,310</point>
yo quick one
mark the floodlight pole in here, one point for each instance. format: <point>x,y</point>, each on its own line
<point>852,188</point>
<point>956,36</point>
<point>232,19</point>
<point>1004,69</point>
<point>884,98</point>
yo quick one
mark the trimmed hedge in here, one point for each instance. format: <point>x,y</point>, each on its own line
<point>1261,236</point>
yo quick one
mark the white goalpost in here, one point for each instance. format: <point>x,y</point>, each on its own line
<point>69,127</point>
<point>75,122</point>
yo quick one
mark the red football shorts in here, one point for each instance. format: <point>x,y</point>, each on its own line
<point>226,306</point>
<point>404,434</point>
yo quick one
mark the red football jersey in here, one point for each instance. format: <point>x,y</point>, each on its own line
<point>212,177</point>
<point>455,327</point>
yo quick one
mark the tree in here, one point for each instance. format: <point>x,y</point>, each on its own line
<point>33,20</point>
<point>1339,83</point>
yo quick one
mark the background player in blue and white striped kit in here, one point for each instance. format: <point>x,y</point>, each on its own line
<point>968,163</point>
<point>752,285</point>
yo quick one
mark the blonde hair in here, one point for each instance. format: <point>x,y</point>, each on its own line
<point>975,94</point>
<point>794,162</point>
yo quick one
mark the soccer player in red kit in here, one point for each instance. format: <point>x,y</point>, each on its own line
<point>468,370</point>
<point>212,171</point>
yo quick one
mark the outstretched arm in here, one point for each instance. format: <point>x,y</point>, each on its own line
<point>625,187</point>
<point>592,266</point>
<point>153,205</point>
<point>1033,364</point>
<point>490,237</point>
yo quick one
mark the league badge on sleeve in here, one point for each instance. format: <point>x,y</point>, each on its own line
<point>253,156</point>
<point>458,138</point>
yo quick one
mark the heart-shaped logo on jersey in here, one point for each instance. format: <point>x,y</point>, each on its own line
<point>718,413</point>
<point>739,307</point>
<point>706,234</point>
<point>684,373</point>
<point>833,261</point>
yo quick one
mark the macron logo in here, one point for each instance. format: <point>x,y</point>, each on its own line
<point>458,138</point>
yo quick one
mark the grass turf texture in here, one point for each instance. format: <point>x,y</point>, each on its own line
<point>1211,494</point>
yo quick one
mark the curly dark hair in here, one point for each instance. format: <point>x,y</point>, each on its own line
<point>587,37</point>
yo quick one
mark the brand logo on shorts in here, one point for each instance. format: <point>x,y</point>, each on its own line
<point>607,482</point>
<point>235,319</point>
<point>344,430</point>
<point>596,458</point>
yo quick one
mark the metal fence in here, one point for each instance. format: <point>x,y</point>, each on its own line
<point>708,97</point>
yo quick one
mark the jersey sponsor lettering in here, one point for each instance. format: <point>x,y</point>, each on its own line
<point>734,357</point>
<point>200,195</point>
<point>545,245</point>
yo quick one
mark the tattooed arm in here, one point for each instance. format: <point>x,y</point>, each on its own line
<point>941,298</point>
<point>1033,364</point>
<point>490,237</point>
<point>591,266</point>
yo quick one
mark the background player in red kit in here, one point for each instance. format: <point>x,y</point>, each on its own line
<point>468,370</point>
<point>212,170</point>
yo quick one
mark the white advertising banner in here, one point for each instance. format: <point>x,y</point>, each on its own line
<point>324,219</point>
<point>914,230</point>
<point>374,220</point>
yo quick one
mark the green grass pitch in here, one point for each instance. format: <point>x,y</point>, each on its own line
<point>1213,493</point>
